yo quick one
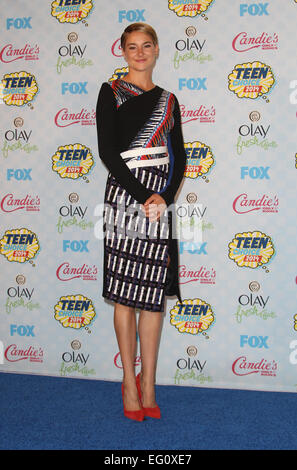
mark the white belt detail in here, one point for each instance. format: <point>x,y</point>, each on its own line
<point>148,162</point>
<point>139,151</point>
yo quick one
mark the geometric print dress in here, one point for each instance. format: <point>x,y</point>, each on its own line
<point>136,250</point>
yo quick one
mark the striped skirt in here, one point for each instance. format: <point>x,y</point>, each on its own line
<point>135,249</point>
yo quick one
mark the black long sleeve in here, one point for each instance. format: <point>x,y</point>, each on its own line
<point>180,157</point>
<point>108,149</point>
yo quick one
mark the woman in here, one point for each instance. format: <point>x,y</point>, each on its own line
<point>140,142</point>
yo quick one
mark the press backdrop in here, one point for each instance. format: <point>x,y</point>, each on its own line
<point>232,66</point>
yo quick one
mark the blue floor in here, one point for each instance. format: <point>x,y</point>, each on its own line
<point>39,412</point>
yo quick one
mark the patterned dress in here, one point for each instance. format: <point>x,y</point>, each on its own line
<point>136,250</point>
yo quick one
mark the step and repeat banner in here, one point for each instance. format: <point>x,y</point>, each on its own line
<point>232,66</point>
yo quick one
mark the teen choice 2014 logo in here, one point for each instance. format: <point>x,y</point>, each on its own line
<point>72,161</point>
<point>18,88</point>
<point>19,245</point>
<point>251,249</point>
<point>74,311</point>
<point>119,73</point>
<point>193,316</point>
<point>251,80</point>
<point>200,159</point>
<point>71,11</point>
<point>189,7</point>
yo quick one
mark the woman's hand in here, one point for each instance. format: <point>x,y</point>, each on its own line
<point>154,207</point>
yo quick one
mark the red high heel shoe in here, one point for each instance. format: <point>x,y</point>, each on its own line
<point>154,412</point>
<point>137,415</point>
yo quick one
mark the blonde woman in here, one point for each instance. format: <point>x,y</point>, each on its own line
<point>140,141</point>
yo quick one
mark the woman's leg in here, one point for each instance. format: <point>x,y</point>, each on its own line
<point>125,328</point>
<point>149,330</point>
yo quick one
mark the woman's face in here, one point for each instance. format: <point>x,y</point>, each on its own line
<point>140,51</point>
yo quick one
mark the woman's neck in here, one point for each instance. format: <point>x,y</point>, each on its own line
<point>142,81</point>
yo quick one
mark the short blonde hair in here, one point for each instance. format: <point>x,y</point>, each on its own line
<point>144,28</point>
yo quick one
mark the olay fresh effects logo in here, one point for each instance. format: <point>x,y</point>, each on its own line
<point>72,161</point>
<point>10,53</point>
<point>251,249</point>
<point>251,80</point>
<point>19,88</point>
<point>190,49</point>
<point>189,7</point>
<point>191,368</point>
<point>244,42</point>
<point>75,360</point>
<point>193,316</point>
<point>253,305</point>
<point>74,311</point>
<point>19,296</point>
<point>17,139</point>
<point>243,204</point>
<point>200,159</point>
<point>254,135</point>
<point>72,54</point>
<point>73,215</point>
<point>11,203</point>
<point>71,11</point>
<point>19,245</point>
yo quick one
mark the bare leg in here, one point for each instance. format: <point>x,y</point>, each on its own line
<point>125,328</point>
<point>149,329</point>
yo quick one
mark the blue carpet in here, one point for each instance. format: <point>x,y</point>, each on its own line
<point>40,412</point>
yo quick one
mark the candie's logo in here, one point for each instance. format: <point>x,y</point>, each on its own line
<point>119,73</point>
<point>244,42</point>
<point>10,53</point>
<point>243,204</point>
<point>189,7</point>
<point>200,159</point>
<point>251,249</point>
<point>71,11</point>
<point>193,316</point>
<point>72,161</point>
<point>19,88</point>
<point>74,311</point>
<point>251,80</point>
<point>19,245</point>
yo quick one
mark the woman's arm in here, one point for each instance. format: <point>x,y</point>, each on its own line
<point>107,138</point>
<point>178,158</point>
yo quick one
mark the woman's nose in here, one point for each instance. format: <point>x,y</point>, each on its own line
<point>140,51</point>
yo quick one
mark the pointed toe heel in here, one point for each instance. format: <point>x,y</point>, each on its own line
<point>154,412</point>
<point>137,415</point>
